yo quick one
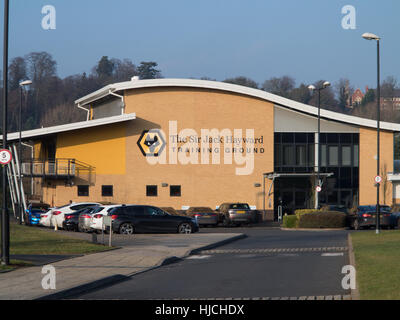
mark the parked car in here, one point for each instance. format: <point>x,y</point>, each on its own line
<point>46,218</point>
<point>205,216</point>
<point>235,214</point>
<point>96,223</point>
<point>71,221</point>
<point>34,211</point>
<point>58,213</point>
<point>365,217</point>
<point>172,211</point>
<point>86,216</point>
<point>129,219</point>
<point>337,208</point>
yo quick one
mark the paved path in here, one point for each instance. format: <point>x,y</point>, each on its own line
<point>144,252</point>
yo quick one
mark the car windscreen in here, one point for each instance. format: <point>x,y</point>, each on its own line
<point>239,206</point>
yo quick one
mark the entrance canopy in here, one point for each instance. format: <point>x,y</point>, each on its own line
<point>274,175</point>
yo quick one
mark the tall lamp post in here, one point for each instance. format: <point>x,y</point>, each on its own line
<point>312,88</point>
<point>22,86</point>
<point>371,36</point>
<point>5,219</point>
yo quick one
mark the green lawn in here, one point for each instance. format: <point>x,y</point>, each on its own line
<point>377,262</point>
<point>33,240</point>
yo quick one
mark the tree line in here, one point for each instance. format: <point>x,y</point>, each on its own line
<point>50,100</point>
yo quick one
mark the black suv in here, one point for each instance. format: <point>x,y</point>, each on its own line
<point>129,219</point>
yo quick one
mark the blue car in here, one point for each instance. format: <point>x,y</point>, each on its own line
<point>34,211</point>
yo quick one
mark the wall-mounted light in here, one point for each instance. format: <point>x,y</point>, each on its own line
<point>164,185</point>
<point>257,185</point>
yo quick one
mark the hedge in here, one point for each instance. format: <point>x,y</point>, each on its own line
<point>300,212</point>
<point>323,219</point>
<point>290,221</point>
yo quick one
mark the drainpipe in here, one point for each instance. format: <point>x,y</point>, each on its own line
<point>87,110</point>
<point>122,100</point>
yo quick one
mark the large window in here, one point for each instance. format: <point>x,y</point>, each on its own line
<point>294,152</point>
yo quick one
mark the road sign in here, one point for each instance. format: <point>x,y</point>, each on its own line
<point>318,188</point>
<point>5,157</point>
<point>378,179</point>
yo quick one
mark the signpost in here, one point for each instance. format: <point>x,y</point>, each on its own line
<point>5,157</point>
<point>107,222</point>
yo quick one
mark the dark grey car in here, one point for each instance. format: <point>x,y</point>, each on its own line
<point>205,216</point>
<point>235,214</point>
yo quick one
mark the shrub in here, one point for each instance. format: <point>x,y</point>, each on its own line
<point>290,221</point>
<point>300,212</point>
<point>323,219</point>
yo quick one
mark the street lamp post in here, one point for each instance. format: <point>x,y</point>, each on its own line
<point>5,219</point>
<point>22,85</point>
<point>312,88</point>
<point>371,36</point>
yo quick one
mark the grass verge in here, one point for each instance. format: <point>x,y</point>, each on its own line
<point>13,265</point>
<point>32,240</point>
<point>377,258</point>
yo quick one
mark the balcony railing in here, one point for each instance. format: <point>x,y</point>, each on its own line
<point>57,169</point>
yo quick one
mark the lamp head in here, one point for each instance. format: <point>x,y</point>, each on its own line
<point>326,84</point>
<point>370,36</point>
<point>25,83</point>
<point>311,87</point>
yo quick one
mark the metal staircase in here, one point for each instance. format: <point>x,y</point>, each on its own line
<point>17,193</point>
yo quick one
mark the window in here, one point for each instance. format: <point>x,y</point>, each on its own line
<point>106,191</point>
<point>333,155</point>
<point>83,191</point>
<point>346,156</point>
<point>151,191</point>
<point>356,155</point>
<point>301,156</point>
<point>152,211</point>
<point>323,155</point>
<point>288,155</point>
<point>175,191</point>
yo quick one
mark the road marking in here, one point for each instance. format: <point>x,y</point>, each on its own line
<point>274,250</point>
<point>198,257</point>
<point>338,254</point>
<point>331,297</point>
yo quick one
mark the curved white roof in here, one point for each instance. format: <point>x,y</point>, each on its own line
<point>256,93</point>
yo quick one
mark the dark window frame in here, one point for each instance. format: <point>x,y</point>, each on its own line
<point>83,193</point>
<point>107,194</point>
<point>172,194</point>
<point>151,194</point>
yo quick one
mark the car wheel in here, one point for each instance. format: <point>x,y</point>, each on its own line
<point>185,228</point>
<point>126,228</point>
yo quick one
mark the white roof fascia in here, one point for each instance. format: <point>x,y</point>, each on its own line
<point>70,127</point>
<point>205,84</point>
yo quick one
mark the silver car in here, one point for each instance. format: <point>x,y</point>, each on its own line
<point>85,218</point>
<point>235,214</point>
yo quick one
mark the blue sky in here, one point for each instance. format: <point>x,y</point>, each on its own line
<point>259,39</point>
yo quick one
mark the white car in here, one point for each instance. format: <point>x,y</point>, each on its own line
<point>45,219</point>
<point>58,214</point>
<point>97,218</point>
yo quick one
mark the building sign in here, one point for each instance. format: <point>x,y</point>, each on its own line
<point>151,143</point>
